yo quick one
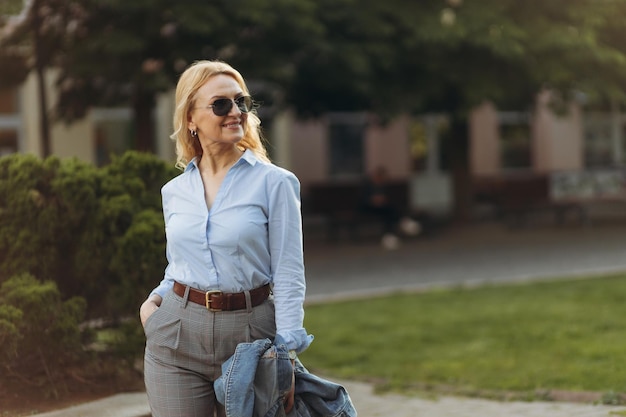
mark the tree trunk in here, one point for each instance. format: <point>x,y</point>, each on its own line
<point>143,106</point>
<point>461,177</point>
<point>44,123</point>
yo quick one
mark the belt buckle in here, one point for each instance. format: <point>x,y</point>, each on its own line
<point>208,295</point>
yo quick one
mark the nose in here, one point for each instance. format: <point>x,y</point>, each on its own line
<point>235,108</point>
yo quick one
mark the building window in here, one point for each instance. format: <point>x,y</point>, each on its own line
<point>515,140</point>
<point>8,101</point>
<point>9,122</point>
<point>598,141</point>
<point>8,141</point>
<point>113,133</point>
<point>346,133</point>
<point>426,136</point>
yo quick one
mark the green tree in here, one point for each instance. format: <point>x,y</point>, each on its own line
<point>608,81</point>
<point>34,41</point>
<point>124,53</point>
<point>10,8</point>
<point>386,57</point>
<point>507,52</point>
<point>398,57</point>
<point>12,61</point>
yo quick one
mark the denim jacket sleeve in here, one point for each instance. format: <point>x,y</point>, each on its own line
<point>255,379</point>
<point>233,388</point>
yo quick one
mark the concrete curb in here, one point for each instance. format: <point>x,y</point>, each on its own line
<point>119,405</point>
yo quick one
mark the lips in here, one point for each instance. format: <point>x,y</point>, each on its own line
<point>232,125</point>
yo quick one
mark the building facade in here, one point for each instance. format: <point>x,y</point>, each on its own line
<point>346,146</point>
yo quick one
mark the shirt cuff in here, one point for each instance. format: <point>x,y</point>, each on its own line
<point>297,340</point>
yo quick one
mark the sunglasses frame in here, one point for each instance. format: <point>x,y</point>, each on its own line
<point>243,103</point>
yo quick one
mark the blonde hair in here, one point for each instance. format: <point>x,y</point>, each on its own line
<point>194,77</point>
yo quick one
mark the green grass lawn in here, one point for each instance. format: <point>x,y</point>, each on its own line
<point>525,339</point>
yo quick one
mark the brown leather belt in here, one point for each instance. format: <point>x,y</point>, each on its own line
<point>223,301</point>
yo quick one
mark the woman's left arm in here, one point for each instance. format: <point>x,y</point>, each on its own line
<point>287,261</point>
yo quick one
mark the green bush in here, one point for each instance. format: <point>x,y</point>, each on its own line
<point>93,237</point>
<point>39,331</point>
<point>44,204</point>
<point>98,233</point>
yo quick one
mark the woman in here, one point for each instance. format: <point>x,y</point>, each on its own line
<point>234,230</point>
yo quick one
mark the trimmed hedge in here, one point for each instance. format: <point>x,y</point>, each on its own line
<point>77,242</point>
<point>98,233</point>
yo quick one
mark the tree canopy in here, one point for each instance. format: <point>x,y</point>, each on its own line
<point>337,55</point>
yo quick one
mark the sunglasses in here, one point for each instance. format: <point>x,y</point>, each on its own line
<point>223,106</point>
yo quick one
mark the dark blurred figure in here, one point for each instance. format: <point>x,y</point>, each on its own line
<point>376,202</point>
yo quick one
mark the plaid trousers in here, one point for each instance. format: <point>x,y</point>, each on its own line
<point>186,345</point>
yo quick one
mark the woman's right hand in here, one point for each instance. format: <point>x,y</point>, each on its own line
<point>149,307</point>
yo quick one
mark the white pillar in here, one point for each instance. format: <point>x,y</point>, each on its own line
<point>164,110</point>
<point>281,139</point>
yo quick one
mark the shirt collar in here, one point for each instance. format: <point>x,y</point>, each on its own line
<point>193,164</point>
<point>250,157</point>
<point>247,156</point>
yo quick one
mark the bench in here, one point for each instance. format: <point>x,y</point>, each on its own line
<point>517,197</point>
<point>338,202</point>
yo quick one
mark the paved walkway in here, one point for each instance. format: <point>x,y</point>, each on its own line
<point>369,404</point>
<point>393,405</point>
<point>468,256</point>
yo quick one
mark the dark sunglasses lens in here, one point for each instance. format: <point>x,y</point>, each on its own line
<point>244,103</point>
<point>222,106</point>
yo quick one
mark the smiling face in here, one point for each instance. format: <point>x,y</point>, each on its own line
<point>212,129</point>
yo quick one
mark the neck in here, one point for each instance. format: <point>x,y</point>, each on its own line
<point>217,162</point>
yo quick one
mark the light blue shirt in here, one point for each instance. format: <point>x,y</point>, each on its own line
<point>251,236</point>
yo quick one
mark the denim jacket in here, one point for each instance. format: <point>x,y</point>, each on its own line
<point>256,378</point>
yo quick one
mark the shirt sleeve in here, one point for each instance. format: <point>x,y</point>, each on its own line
<point>166,284</point>
<point>287,261</point>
